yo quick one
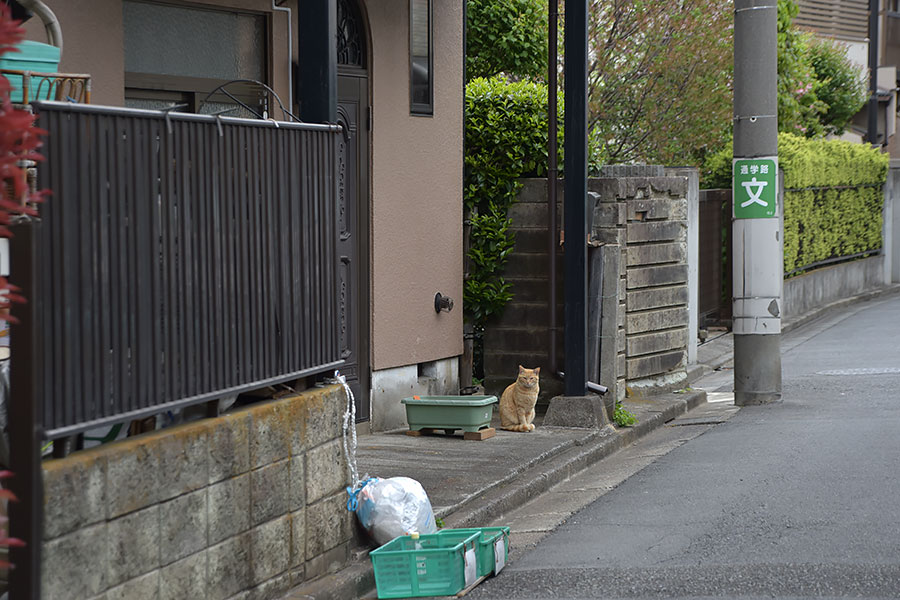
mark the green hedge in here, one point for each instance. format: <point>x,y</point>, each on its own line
<point>833,196</point>
<point>506,138</point>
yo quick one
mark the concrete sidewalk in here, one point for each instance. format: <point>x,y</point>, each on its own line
<point>473,483</point>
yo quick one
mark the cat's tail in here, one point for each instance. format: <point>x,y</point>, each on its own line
<point>518,427</point>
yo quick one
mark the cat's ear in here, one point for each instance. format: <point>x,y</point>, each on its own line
<point>521,369</point>
<point>537,370</point>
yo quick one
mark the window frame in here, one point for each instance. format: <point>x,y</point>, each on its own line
<point>421,109</point>
<point>193,90</point>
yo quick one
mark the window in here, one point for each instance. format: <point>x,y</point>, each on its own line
<point>421,81</point>
<point>176,55</point>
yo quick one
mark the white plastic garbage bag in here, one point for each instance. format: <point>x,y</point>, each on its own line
<point>395,506</point>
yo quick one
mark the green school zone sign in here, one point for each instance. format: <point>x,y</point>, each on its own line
<point>755,190</point>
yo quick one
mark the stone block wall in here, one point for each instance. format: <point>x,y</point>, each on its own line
<point>242,506</point>
<point>645,218</point>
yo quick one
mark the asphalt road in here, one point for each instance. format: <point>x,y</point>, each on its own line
<point>795,500</point>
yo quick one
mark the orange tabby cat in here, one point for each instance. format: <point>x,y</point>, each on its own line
<point>518,400</point>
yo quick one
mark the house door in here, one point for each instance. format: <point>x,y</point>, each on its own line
<point>353,198</point>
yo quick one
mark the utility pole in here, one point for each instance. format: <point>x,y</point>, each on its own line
<point>575,70</point>
<point>757,245</point>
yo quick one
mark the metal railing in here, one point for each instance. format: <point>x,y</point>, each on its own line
<point>72,87</point>
<point>181,258</point>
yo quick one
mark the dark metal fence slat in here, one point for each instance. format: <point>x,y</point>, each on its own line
<point>243,290</point>
<point>217,338</point>
<point>228,241</point>
<point>202,361</point>
<point>189,265</point>
<point>145,258</point>
<point>315,201</point>
<point>89,326</point>
<point>152,283</point>
<point>270,339</point>
<point>120,260</point>
<point>282,251</point>
<point>104,362</point>
<point>307,250</point>
<point>254,267</point>
<point>51,286</point>
<point>295,206</point>
<point>164,267</point>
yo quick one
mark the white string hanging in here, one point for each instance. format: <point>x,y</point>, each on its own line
<point>349,429</point>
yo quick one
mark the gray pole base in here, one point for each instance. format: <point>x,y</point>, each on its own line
<point>587,412</point>
<point>757,369</point>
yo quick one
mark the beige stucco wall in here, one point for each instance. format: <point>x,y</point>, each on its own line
<point>93,42</point>
<point>416,191</point>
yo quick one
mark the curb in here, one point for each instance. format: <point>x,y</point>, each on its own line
<point>358,579</point>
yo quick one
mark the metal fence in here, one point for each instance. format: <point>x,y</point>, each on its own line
<point>180,259</point>
<point>714,281</point>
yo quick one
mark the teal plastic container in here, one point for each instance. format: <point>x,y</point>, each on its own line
<point>436,567</point>
<point>469,413</point>
<point>488,538</point>
<point>32,56</point>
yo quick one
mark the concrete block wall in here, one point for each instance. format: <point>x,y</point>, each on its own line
<point>520,335</point>
<point>241,506</point>
<point>646,218</point>
<point>643,214</point>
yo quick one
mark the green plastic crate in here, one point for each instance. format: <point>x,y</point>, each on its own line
<point>488,537</point>
<point>469,413</point>
<point>32,56</point>
<point>437,567</point>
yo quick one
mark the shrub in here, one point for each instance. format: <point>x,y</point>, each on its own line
<point>506,36</point>
<point>506,138</point>
<point>832,200</point>
<point>841,84</point>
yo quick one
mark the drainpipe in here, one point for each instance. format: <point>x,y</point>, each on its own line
<point>873,75</point>
<point>552,174</point>
<point>51,23</point>
<point>290,52</point>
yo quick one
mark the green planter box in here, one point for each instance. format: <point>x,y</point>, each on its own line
<point>492,547</point>
<point>433,565</point>
<point>469,413</point>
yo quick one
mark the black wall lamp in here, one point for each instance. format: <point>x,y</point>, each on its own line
<point>442,303</point>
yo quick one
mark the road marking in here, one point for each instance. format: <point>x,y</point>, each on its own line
<point>719,397</point>
<point>863,371</point>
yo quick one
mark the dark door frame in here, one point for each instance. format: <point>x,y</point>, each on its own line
<point>354,88</point>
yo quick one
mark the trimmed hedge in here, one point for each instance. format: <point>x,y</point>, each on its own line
<point>833,196</point>
<point>506,138</point>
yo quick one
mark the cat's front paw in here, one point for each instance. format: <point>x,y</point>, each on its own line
<point>531,427</point>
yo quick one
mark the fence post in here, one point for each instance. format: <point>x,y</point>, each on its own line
<point>25,516</point>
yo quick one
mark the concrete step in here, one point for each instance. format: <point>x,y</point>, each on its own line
<point>518,313</point>
<point>531,264</point>
<point>533,289</point>
<point>506,364</point>
<point>532,214</point>
<point>518,339</point>
<point>531,240</point>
